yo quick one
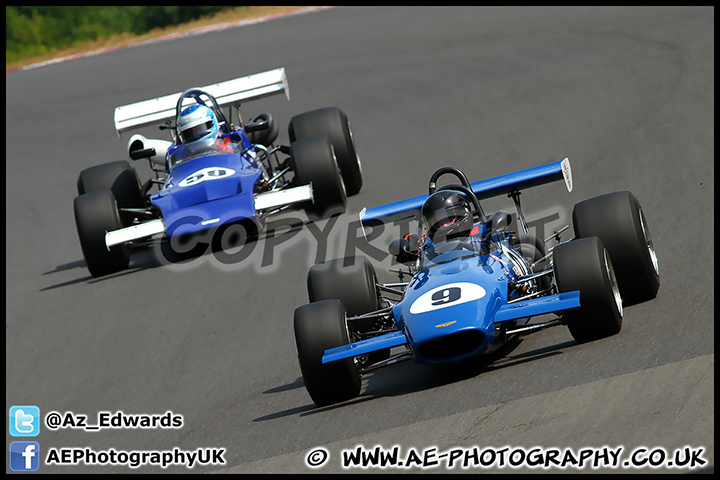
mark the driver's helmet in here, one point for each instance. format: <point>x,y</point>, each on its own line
<point>197,122</point>
<point>447,214</point>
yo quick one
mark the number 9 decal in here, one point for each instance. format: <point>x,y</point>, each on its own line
<point>446,296</point>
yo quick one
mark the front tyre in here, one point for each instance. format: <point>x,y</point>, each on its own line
<point>585,265</point>
<point>320,326</point>
<point>120,178</point>
<point>95,214</point>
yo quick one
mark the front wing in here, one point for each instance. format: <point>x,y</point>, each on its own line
<point>513,311</point>
<point>263,202</point>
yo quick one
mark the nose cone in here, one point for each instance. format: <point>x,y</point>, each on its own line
<point>206,179</point>
<point>447,322</point>
<point>206,185</point>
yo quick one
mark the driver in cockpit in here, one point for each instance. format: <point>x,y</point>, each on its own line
<point>446,215</point>
<point>198,131</point>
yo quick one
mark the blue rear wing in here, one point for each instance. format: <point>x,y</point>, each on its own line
<point>492,187</point>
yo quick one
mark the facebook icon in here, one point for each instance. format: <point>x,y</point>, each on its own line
<point>24,456</point>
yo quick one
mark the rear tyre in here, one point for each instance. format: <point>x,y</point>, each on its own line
<point>585,265</point>
<point>618,221</point>
<point>120,178</point>
<point>320,326</point>
<point>95,214</point>
<point>355,285</point>
<point>313,161</point>
<point>264,137</point>
<point>333,123</point>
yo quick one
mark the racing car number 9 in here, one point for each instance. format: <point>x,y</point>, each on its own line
<point>446,296</point>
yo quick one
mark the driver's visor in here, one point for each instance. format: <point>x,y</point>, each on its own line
<point>194,132</point>
<point>445,222</point>
<point>444,217</point>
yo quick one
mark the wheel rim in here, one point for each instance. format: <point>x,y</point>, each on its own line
<point>613,283</point>
<point>348,333</point>
<point>352,142</point>
<point>649,243</point>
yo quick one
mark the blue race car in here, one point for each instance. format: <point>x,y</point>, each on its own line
<point>474,283</point>
<point>213,175</point>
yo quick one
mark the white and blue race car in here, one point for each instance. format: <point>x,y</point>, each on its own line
<point>234,177</point>
<point>475,284</point>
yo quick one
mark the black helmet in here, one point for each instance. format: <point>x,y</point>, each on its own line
<point>447,214</point>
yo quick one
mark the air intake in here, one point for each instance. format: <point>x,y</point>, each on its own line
<point>453,345</point>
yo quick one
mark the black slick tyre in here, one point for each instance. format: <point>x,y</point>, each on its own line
<point>267,136</point>
<point>313,161</point>
<point>95,214</point>
<point>351,280</point>
<point>618,221</point>
<point>585,265</point>
<point>333,123</point>
<point>120,178</point>
<point>318,327</point>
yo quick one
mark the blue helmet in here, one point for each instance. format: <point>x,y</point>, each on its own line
<point>197,122</point>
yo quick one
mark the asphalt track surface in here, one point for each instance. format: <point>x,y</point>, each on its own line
<point>626,93</point>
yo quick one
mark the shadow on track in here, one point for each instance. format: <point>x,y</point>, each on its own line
<point>409,377</point>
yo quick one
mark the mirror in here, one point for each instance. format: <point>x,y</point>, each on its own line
<point>399,246</point>
<point>498,221</point>
<point>256,127</point>
<point>401,250</point>
<point>144,153</point>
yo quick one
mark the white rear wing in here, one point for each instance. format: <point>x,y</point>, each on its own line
<point>161,109</point>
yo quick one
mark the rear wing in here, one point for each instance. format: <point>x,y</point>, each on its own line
<point>161,109</point>
<point>492,187</point>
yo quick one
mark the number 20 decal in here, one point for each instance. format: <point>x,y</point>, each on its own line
<point>210,173</point>
<point>446,296</point>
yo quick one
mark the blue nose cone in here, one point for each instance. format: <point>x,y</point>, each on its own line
<point>449,318</point>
